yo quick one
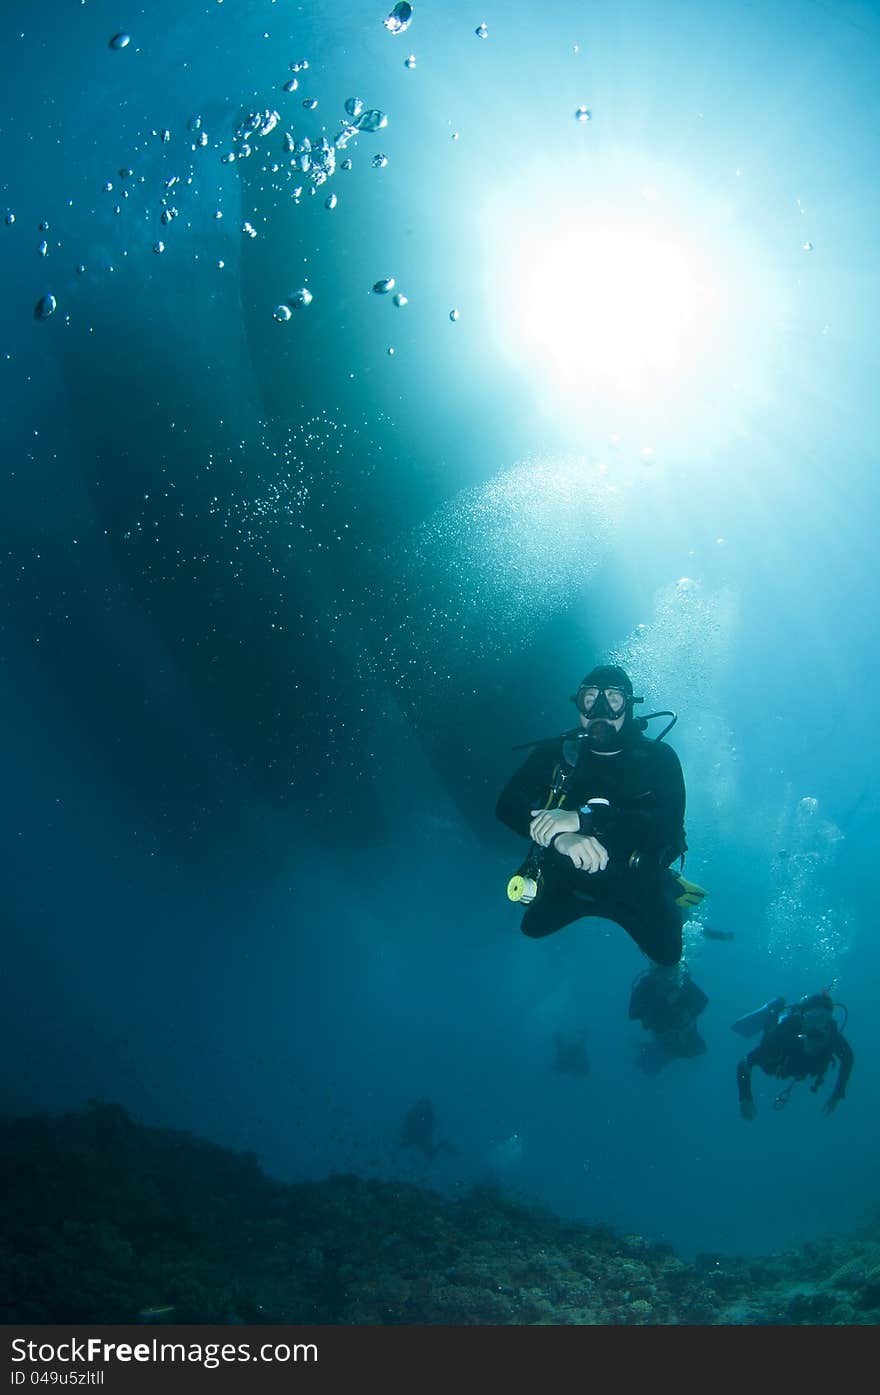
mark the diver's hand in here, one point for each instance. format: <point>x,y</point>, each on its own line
<point>587,854</point>
<point>747,1109</point>
<point>831,1104</point>
<point>546,823</point>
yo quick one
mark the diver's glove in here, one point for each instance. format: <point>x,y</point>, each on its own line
<point>690,894</point>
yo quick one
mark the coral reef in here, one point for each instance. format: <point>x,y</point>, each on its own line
<point>106,1220</point>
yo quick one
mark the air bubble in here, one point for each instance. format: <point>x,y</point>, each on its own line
<point>372,120</point>
<point>399,19</point>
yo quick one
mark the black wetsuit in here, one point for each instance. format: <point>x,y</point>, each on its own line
<point>781,1052</point>
<point>642,829</point>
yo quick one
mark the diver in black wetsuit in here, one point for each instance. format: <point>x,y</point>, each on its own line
<point>670,1012</point>
<point>603,840</point>
<point>798,1042</point>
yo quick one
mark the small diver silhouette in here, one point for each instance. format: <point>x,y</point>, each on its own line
<point>570,1053</point>
<point>418,1130</point>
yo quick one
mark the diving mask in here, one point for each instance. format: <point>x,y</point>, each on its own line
<point>594,702</point>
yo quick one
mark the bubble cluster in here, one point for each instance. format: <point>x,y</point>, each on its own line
<point>685,647</point>
<point>286,488</point>
<point>805,924</point>
<point>256,124</point>
<point>677,660</point>
<point>496,561</point>
<point>296,160</point>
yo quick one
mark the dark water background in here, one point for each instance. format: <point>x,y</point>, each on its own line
<point>277,604</point>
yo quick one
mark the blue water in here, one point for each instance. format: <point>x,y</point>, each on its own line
<point>278,603</point>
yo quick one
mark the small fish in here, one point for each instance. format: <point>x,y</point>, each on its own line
<point>711,934</point>
<point>155,1314</point>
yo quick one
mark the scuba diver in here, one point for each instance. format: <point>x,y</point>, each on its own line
<point>603,839</point>
<point>797,1042</point>
<point>669,1010</point>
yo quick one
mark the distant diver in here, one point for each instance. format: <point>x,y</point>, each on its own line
<point>605,834</point>
<point>570,1054</point>
<point>418,1131</point>
<point>670,1016</point>
<point>797,1043</point>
